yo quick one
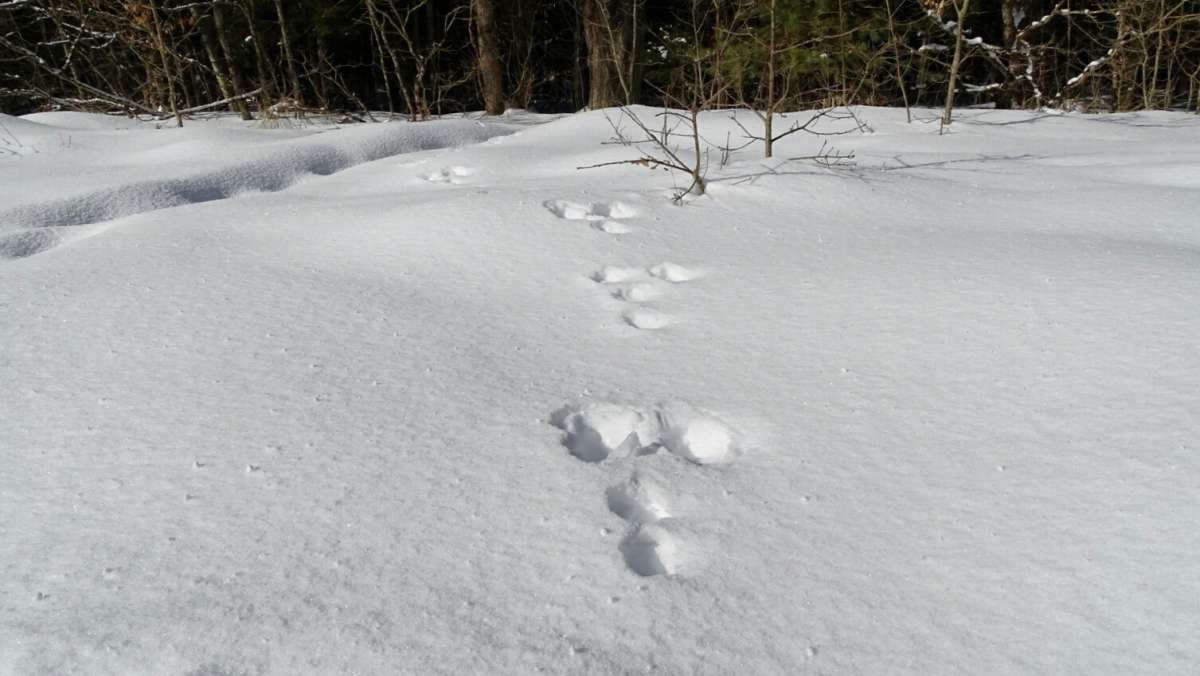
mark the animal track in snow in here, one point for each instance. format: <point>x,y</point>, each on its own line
<point>638,292</point>
<point>695,436</point>
<point>590,211</point>
<point>452,174</point>
<point>650,549</point>
<point>612,227</point>
<point>612,274</point>
<point>638,289</point>
<point>673,272</point>
<point>646,319</point>
<point>638,500</point>
<point>666,271</point>
<point>594,432</point>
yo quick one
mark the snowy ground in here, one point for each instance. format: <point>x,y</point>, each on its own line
<point>427,399</point>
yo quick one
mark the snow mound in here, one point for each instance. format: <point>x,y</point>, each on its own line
<point>20,137</point>
<point>27,242</point>
<point>25,129</point>
<point>67,119</point>
<point>267,167</point>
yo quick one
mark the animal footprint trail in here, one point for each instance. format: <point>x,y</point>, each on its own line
<point>641,285</point>
<point>612,227</point>
<point>674,272</point>
<point>599,432</point>
<point>665,271</point>
<point>452,174</point>
<point>638,500</point>
<point>648,548</point>
<point>614,274</point>
<point>638,292</point>
<point>596,431</point>
<point>696,436</point>
<point>590,211</point>
<point>646,320</point>
<point>604,216</point>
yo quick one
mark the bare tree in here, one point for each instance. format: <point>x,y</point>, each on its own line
<point>610,29</point>
<point>289,59</point>
<point>164,56</point>
<point>894,36</point>
<point>237,80</point>
<point>961,7</point>
<point>266,74</point>
<point>220,64</point>
<point>491,68</point>
<point>658,149</point>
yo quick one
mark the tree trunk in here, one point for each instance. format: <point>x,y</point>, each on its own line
<point>266,74</point>
<point>491,68</point>
<point>635,29</point>
<point>165,61</point>
<point>235,71</point>
<point>220,62</point>
<point>210,50</point>
<point>288,59</point>
<point>380,43</point>
<point>1009,11</point>
<point>605,28</point>
<point>519,55</point>
<point>1119,61</point>
<point>579,91</point>
<point>769,119</point>
<point>961,7</point>
<point>317,75</point>
<point>896,53</point>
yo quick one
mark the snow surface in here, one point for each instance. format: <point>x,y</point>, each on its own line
<point>425,398</point>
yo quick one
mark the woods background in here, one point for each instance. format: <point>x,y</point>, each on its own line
<point>427,57</point>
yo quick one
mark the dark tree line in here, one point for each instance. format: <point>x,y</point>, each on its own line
<point>426,57</point>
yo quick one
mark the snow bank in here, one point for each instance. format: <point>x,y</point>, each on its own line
<point>267,165</point>
<point>65,119</point>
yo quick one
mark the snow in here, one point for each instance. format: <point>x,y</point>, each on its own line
<point>425,398</point>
